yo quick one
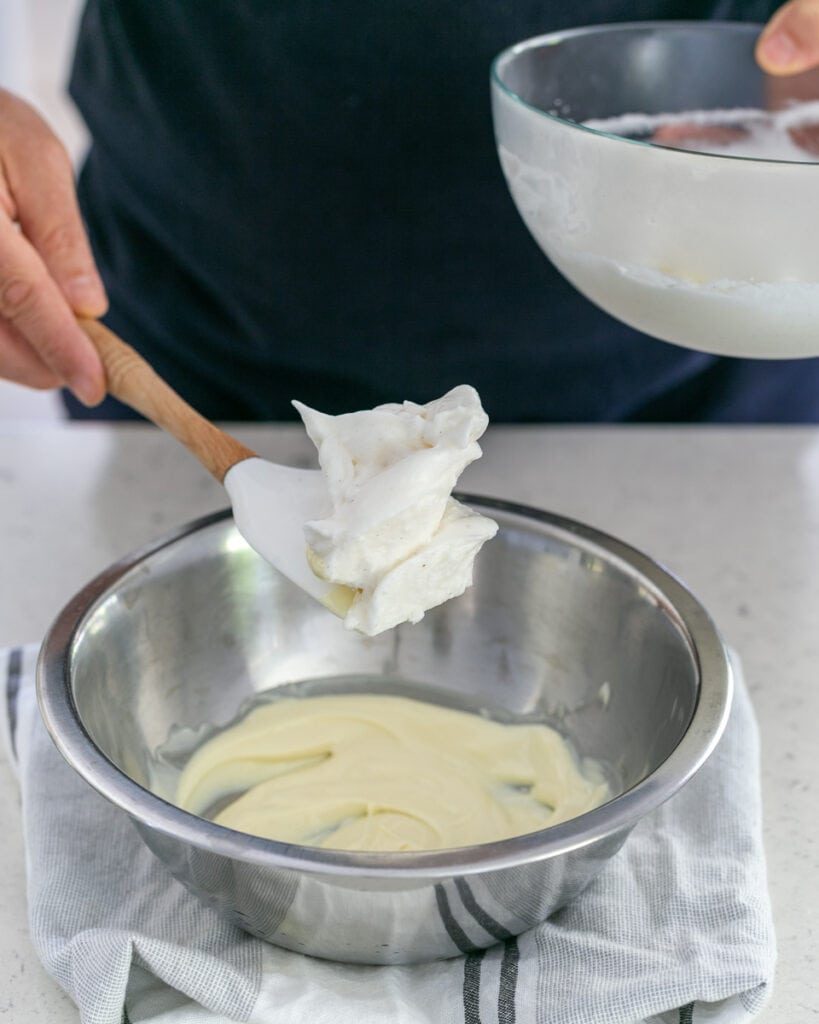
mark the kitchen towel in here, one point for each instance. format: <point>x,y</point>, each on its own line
<point>676,930</point>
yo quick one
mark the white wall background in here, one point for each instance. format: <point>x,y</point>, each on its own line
<point>36,42</point>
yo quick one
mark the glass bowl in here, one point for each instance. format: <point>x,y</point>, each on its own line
<point>714,252</point>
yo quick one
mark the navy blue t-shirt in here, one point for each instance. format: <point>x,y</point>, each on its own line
<point>302,198</point>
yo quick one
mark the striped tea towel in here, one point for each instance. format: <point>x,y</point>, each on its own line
<point>676,930</point>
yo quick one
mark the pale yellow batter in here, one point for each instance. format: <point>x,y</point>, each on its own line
<point>377,772</point>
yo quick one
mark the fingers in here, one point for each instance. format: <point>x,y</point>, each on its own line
<point>806,136</point>
<point>33,306</point>
<point>47,272</point>
<point>690,135</point>
<point>790,42</point>
<point>40,184</point>
<point>21,363</point>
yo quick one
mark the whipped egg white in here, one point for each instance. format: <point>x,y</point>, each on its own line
<point>396,537</point>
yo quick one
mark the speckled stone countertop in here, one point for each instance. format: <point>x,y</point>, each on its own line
<point>734,512</point>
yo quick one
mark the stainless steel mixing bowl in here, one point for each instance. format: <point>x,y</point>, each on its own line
<point>562,622</point>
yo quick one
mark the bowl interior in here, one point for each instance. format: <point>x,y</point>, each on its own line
<point>555,627</point>
<point>652,68</point>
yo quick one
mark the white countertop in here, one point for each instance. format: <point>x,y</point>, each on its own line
<point>735,512</point>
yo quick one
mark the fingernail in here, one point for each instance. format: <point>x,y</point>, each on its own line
<point>780,49</point>
<point>87,295</point>
<point>87,389</point>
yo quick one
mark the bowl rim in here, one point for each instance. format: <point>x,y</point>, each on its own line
<point>507,55</point>
<point>709,655</point>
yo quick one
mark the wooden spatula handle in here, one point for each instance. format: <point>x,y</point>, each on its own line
<point>135,382</point>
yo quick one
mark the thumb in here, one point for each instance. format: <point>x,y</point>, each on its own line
<point>790,42</point>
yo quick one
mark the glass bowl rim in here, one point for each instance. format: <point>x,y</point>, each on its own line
<point>507,55</point>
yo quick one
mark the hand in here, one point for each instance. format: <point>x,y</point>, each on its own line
<point>47,272</point>
<point>790,42</point>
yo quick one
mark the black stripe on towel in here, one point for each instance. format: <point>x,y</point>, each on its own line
<point>687,1014</point>
<point>454,930</point>
<point>13,677</point>
<point>486,921</point>
<point>508,983</point>
<point>472,987</point>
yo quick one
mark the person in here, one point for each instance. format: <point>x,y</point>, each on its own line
<point>303,200</point>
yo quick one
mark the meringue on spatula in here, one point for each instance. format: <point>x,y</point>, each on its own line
<point>394,535</point>
<point>375,535</point>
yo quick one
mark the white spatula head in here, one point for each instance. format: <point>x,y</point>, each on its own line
<point>271,504</point>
